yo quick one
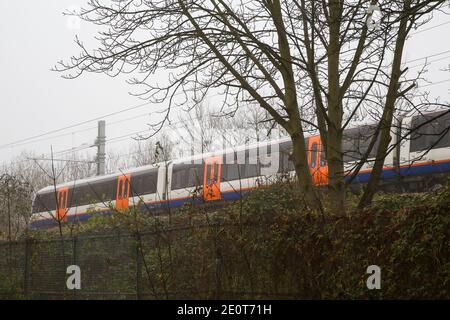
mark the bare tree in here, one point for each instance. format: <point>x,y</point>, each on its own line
<point>142,152</point>
<point>151,151</point>
<point>15,209</point>
<point>203,129</point>
<point>249,124</point>
<point>306,63</point>
<point>200,124</point>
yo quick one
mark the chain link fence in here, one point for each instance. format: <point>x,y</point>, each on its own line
<point>196,262</point>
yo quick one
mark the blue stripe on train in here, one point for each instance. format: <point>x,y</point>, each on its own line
<point>234,195</point>
<point>387,174</point>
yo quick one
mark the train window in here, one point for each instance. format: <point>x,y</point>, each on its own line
<point>323,157</point>
<point>181,179</point>
<point>216,174</point>
<point>62,200</point>
<point>136,185</point>
<point>445,142</point>
<point>350,145</point>
<point>126,184</point>
<point>285,165</point>
<point>52,200</point>
<point>59,200</point>
<point>232,171</point>
<point>266,158</point>
<point>223,172</point>
<point>284,162</point>
<point>252,170</point>
<point>195,176</point>
<point>103,191</point>
<point>187,175</point>
<point>251,167</point>
<point>440,136</point>
<point>89,196</point>
<point>70,197</point>
<point>44,202</point>
<point>48,201</point>
<point>150,182</point>
<point>108,189</point>
<point>38,204</point>
<point>144,182</point>
<point>366,134</point>
<point>356,141</point>
<point>119,193</point>
<point>430,132</point>
<point>314,155</point>
<point>177,178</point>
<point>418,137</point>
<point>94,192</point>
<point>242,166</point>
<point>78,195</point>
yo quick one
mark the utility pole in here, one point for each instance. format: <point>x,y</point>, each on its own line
<point>101,149</point>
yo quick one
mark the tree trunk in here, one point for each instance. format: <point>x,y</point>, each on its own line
<point>302,171</point>
<point>336,185</point>
<point>386,119</point>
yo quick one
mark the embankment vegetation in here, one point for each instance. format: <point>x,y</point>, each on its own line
<point>269,246</point>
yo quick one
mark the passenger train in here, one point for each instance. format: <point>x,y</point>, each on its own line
<point>420,162</point>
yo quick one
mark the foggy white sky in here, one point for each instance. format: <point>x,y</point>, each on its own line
<point>34,35</point>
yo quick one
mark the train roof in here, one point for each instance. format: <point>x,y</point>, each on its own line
<point>88,180</point>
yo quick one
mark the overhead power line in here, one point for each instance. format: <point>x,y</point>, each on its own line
<point>81,130</point>
<point>61,160</point>
<point>22,141</point>
<point>74,125</point>
<point>426,57</point>
<point>429,62</point>
<point>166,127</point>
<point>435,83</point>
<point>430,28</point>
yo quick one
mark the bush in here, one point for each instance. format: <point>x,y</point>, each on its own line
<point>269,246</point>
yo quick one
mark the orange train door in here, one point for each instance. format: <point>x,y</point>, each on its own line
<point>61,204</point>
<point>317,161</point>
<point>211,178</point>
<point>123,191</point>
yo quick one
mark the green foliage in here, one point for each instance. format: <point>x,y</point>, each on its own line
<point>268,246</point>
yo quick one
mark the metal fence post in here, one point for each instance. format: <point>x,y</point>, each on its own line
<point>27,266</point>
<point>74,252</point>
<point>138,267</point>
<point>217,262</point>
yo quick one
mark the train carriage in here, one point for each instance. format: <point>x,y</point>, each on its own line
<point>226,175</point>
